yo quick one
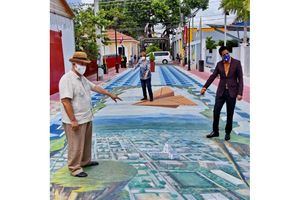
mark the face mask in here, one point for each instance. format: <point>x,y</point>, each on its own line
<point>80,69</point>
<point>226,57</point>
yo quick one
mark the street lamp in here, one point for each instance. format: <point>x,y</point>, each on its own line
<point>225,27</point>
<point>189,32</point>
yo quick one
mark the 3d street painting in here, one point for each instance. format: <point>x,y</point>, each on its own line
<point>156,151</point>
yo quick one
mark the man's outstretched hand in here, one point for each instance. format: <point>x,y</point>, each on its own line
<point>115,97</point>
<point>203,90</point>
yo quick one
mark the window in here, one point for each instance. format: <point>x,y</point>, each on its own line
<point>161,54</point>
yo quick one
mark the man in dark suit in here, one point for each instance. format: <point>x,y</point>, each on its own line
<point>229,89</point>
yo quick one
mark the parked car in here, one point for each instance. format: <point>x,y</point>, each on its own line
<point>161,57</point>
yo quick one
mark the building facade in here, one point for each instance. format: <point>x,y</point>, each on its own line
<point>62,41</point>
<point>131,46</point>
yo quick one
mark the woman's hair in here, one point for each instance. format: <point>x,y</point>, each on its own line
<point>143,54</point>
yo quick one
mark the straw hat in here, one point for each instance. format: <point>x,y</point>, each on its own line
<point>80,57</point>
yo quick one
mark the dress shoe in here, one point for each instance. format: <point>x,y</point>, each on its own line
<point>227,136</point>
<point>81,175</point>
<point>212,134</point>
<point>144,99</point>
<point>92,163</point>
<point>151,99</point>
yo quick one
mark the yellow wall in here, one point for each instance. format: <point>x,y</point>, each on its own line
<point>131,48</point>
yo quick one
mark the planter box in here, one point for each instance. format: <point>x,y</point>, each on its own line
<point>91,68</point>
<point>152,66</point>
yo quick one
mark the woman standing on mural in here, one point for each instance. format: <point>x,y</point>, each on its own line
<point>145,76</point>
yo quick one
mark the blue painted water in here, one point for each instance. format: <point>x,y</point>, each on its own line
<point>169,75</point>
<point>157,122</point>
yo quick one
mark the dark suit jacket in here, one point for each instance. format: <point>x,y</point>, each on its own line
<point>234,78</point>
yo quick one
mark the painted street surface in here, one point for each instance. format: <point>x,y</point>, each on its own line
<point>155,152</point>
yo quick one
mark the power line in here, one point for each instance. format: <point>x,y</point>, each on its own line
<point>215,19</point>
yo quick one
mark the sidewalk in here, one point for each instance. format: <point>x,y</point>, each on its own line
<point>205,75</point>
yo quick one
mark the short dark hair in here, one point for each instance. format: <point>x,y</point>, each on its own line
<point>222,48</point>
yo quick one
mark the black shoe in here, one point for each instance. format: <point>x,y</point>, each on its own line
<point>227,136</point>
<point>92,163</point>
<point>81,175</point>
<point>144,99</point>
<point>212,134</point>
<point>151,99</point>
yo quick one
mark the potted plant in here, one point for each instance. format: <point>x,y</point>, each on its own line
<point>210,44</point>
<point>152,63</point>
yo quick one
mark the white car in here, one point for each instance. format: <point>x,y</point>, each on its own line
<point>163,57</point>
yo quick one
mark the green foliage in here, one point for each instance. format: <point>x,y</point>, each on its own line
<point>239,7</point>
<point>134,15</point>
<point>230,44</point>
<point>210,43</point>
<point>121,20</point>
<point>152,48</point>
<point>85,23</point>
<point>242,10</point>
<point>57,144</point>
<point>151,57</point>
<point>97,179</point>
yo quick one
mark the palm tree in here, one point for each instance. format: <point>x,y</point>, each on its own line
<point>242,10</point>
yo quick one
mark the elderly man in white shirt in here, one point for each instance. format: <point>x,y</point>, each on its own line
<point>75,94</point>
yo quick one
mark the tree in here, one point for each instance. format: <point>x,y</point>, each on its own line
<point>210,44</point>
<point>230,44</point>
<point>85,23</point>
<point>242,10</point>
<point>136,14</point>
<point>152,48</point>
<point>124,22</point>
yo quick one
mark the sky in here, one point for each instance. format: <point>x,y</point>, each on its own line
<point>212,15</point>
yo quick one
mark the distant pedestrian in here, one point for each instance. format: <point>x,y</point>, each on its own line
<point>134,58</point>
<point>125,61</point>
<point>177,58</point>
<point>229,89</point>
<point>76,107</point>
<point>145,76</point>
<point>180,58</point>
<point>131,61</point>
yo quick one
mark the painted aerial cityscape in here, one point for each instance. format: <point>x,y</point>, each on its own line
<point>157,151</point>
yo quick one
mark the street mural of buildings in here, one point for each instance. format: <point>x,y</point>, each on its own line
<point>156,152</point>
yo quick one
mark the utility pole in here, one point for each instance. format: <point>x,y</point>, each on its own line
<point>116,43</point>
<point>200,36</point>
<point>98,40</point>
<point>189,47</point>
<point>225,27</point>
